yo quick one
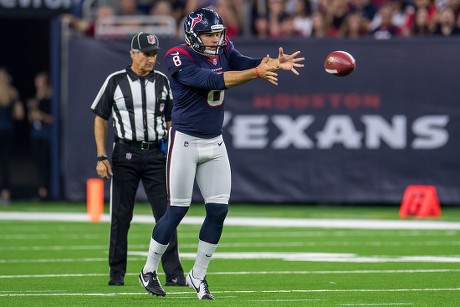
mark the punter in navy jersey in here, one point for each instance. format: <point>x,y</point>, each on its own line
<point>201,70</point>
<point>198,75</point>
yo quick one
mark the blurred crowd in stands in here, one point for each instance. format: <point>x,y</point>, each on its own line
<point>380,19</point>
<point>14,112</point>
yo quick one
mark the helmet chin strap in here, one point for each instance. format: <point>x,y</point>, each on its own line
<point>209,54</point>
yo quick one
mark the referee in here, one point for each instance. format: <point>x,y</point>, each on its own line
<point>139,100</point>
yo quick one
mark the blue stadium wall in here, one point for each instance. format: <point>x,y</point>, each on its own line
<point>364,138</point>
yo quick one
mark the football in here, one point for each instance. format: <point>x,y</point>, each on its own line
<point>339,63</point>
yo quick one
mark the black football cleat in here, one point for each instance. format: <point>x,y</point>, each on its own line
<point>151,283</point>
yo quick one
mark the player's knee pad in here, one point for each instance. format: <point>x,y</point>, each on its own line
<point>213,224</point>
<point>176,214</point>
<point>216,213</point>
<point>168,223</point>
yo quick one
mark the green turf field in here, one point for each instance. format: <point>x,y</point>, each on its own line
<point>55,263</point>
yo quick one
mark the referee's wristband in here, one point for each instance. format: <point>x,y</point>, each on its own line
<point>102,158</point>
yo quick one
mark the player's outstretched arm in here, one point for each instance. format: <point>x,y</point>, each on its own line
<point>263,71</point>
<point>266,69</point>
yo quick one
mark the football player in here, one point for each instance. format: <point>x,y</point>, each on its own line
<point>201,71</point>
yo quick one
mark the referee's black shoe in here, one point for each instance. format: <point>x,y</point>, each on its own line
<point>151,283</point>
<point>178,280</point>
<point>116,281</point>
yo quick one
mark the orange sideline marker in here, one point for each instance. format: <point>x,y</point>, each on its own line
<point>95,198</point>
<point>420,201</point>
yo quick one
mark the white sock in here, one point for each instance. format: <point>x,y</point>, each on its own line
<point>156,250</point>
<point>203,256</point>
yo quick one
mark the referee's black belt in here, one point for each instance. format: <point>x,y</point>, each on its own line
<point>144,145</point>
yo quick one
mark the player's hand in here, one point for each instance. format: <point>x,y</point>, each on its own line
<point>290,61</point>
<point>267,72</point>
<point>104,169</point>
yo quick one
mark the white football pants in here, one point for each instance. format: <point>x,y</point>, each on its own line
<point>205,159</point>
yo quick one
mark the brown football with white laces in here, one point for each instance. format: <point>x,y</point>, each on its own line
<point>339,63</point>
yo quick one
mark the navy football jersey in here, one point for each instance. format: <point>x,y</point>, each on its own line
<point>198,87</point>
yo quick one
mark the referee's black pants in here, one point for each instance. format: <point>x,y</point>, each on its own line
<point>130,164</point>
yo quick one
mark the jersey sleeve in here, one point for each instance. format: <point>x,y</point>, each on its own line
<point>182,66</point>
<point>169,101</point>
<point>102,104</point>
<point>239,61</point>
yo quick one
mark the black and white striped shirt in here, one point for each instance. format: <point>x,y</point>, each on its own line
<point>140,106</point>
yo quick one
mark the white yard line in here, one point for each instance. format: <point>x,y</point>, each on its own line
<point>309,257</point>
<point>38,293</point>
<point>250,221</point>
<point>250,273</point>
<point>226,245</point>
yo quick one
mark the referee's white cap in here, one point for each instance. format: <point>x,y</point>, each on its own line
<point>145,42</point>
